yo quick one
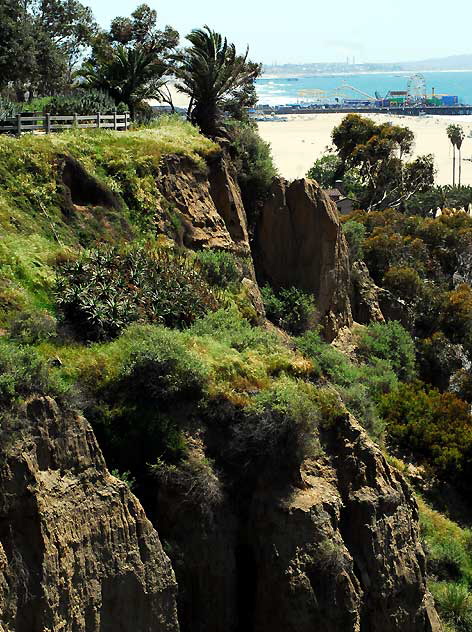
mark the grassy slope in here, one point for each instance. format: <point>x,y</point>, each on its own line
<point>240,360</point>
<point>34,229</point>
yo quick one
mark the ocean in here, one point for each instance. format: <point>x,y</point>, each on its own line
<point>286,90</point>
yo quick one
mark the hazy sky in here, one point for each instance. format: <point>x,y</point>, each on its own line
<point>323,30</point>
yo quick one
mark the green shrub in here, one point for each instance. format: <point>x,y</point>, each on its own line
<point>278,427</point>
<point>325,170</point>
<point>8,109</point>
<point>230,328</point>
<point>390,342</point>
<point>327,360</point>
<point>454,603</point>
<point>193,480</point>
<point>289,308</point>
<point>160,369</point>
<point>435,426</point>
<point>403,282</point>
<point>219,267</point>
<point>33,327</point>
<point>22,373</point>
<point>107,289</point>
<point>254,165</point>
<point>147,390</point>
<point>355,235</point>
<point>83,102</point>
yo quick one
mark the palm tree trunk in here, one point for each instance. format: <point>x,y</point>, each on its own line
<point>460,166</point>
<point>453,165</point>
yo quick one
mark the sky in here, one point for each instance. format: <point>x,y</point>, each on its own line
<point>319,30</point>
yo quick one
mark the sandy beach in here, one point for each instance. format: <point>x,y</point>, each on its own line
<point>299,141</point>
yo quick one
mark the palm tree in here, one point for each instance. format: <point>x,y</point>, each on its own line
<point>459,140</point>
<point>451,134</point>
<point>209,72</point>
<point>129,75</point>
<point>456,135</point>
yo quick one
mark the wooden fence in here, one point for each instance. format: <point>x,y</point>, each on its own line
<point>48,123</point>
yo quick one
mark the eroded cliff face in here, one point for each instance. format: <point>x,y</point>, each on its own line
<point>208,203</point>
<point>77,552</point>
<point>299,242</point>
<point>337,552</point>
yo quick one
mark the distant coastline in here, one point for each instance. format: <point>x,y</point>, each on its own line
<point>347,73</point>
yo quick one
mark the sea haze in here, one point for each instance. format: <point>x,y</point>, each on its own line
<point>285,90</point>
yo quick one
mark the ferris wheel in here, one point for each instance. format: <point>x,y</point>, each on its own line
<point>416,87</point>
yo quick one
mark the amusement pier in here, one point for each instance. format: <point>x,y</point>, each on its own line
<point>414,101</point>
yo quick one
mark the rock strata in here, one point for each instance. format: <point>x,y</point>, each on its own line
<point>77,553</point>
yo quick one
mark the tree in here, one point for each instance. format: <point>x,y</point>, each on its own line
<point>377,152</point>
<point>132,62</point>
<point>41,42</point>
<point>212,74</point>
<point>17,47</point>
<point>70,26</point>
<point>456,135</point>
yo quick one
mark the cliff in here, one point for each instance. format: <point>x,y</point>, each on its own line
<point>299,242</point>
<point>339,550</point>
<point>77,552</point>
<point>330,545</point>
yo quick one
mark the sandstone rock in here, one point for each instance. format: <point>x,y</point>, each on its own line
<point>77,553</point>
<point>364,296</point>
<point>208,203</point>
<point>299,242</point>
<point>343,553</point>
<point>337,552</point>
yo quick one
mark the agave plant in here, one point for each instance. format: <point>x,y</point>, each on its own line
<point>209,72</point>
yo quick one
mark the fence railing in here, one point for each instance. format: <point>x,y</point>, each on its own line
<point>48,123</point>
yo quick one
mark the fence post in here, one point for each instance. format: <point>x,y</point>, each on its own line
<point>76,122</point>
<point>18,124</point>
<point>98,120</point>
<point>48,122</point>
<point>115,121</point>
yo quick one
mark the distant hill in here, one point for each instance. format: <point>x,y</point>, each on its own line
<point>453,62</point>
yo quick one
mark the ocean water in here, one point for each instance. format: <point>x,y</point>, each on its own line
<point>286,90</point>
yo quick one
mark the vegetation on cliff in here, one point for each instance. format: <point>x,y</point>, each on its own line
<point>166,351</point>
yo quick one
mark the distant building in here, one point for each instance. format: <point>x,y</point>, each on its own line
<point>344,204</point>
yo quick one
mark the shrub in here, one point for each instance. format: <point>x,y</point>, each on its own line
<point>454,603</point>
<point>390,342</point>
<point>457,318</point>
<point>436,426</point>
<point>230,328</point>
<point>325,170</point>
<point>403,282</point>
<point>193,480</point>
<point>8,109</point>
<point>219,267</point>
<point>83,102</point>
<point>446,545</point>
<point>107,289</point>
<point>22,373</point>
<point>150,378</point>
<point>355,235</point>
<point>159,369</point>
<point>254,165</point>
<point>278,427</point>
<point>289,308</point>
<point>33,327</point>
